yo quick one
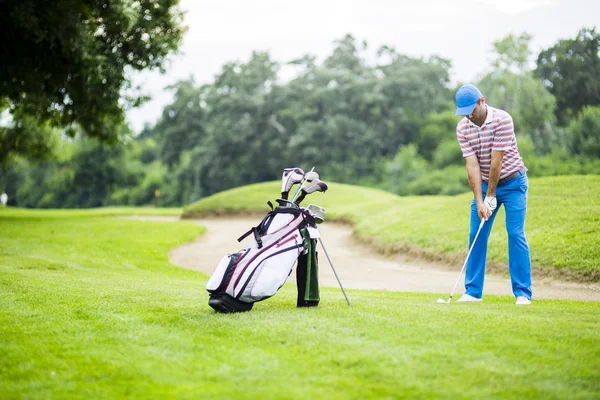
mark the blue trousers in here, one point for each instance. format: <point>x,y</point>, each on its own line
<point>514,197</point>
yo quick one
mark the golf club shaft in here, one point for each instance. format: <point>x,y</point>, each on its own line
<point>301,184</point>
<point>335,273</point>
<point>467,259</point>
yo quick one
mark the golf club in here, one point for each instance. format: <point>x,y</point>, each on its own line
<point>289,178</point>
<point>310,174</point>
<point>335,273</point>
<point>317,212</point>
<point>315,186</point>
<point>464,265</point>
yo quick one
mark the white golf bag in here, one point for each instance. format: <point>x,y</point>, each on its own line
<point>258,272</point>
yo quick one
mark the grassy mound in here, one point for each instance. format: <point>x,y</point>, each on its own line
<point>563,221</point>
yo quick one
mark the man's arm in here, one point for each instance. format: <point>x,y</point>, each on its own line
<point>495,169</point>
<point>474,175</point>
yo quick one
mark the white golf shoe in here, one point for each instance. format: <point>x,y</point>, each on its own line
<point>522,301</point>
<point>468,298</point>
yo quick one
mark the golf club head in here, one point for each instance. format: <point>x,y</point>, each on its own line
<point>441,301</point>
<point>302,182</point>
<point>315,186</point>
<point>289,178</point>
<point>311,176</point>
<point>317,212</point>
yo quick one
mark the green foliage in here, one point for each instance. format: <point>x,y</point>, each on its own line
<point>563,219</point>
<point>406,166</point>
<point>447,181</point>
<point>25,137</point>
<point>512,54</point>
<point>65,64</point>
<point>388,124</point>
<point>107,316</point>
<point>344,116</point>
<point>511,86</point>
<point>145,191</point>
<point>88,177</point>
<point>447,153</point>
<point>529,103</point>
<point>570,70</point>
<point>583,133</point>
<point>181,126</point>
<point>436,129</point>
<point>561,162</point>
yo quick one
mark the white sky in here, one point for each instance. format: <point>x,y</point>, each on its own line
<point>221,31</point>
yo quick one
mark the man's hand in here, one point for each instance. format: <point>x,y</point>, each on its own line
<point>490,204</point>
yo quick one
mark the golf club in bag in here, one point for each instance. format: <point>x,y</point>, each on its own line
<point>279,241</point>
<point>464,265</point>
<point>289,178</point>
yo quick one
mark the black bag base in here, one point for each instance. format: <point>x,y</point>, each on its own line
<point>307,303</point>
<point>224,303</point>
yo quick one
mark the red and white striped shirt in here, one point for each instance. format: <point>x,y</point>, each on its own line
<point>498,134</point>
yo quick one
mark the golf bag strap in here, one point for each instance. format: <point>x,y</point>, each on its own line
<point>256,236</point>
<point>256,230</point>
<point>245,235</point>
<point>266,222</point>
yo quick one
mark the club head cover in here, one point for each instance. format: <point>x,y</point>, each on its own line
<point>311,176</point>
<point>289,178</point>
<point>315,186</point>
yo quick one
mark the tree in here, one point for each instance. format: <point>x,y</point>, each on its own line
<point>511,86</point>
<point>67,62</point>
<point>181,126</point>
<point>436,129</point>
<point>571,71</point>
<point>583,133</point>
<point>349,115</point>
<point>226,133</point>
<point>512,54</point>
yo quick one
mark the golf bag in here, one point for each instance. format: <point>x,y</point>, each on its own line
<point>258,272</point>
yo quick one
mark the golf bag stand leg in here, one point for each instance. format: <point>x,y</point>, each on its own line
<point>335,273</point>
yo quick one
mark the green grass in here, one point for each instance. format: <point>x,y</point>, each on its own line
<point>10,212</point>
<point>563,221</point>
<point>91,308</point>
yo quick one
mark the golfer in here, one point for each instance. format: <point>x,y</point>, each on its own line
<point>497,176</point>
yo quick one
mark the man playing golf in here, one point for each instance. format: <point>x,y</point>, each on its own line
<point>497,176</point>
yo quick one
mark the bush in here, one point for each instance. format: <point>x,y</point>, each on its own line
<point>449,181</point>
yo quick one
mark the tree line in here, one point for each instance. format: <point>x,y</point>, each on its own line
<point>388,124</point>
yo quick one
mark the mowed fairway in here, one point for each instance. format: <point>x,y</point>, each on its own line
<point>91,308</point>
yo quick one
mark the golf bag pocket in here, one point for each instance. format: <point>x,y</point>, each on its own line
<point>219,279</point>
<point>271,271</point>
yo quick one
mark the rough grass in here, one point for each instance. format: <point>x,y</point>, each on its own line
<point>91,308</point>
<point>563,221</point>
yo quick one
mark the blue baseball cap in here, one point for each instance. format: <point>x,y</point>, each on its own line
<point>466,99</point>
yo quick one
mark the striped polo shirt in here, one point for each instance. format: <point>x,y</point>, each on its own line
<point>497,133</point>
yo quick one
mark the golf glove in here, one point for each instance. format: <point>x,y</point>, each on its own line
<point>490,203</point>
